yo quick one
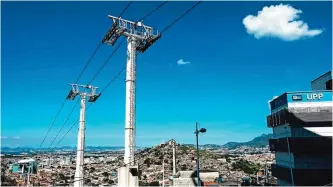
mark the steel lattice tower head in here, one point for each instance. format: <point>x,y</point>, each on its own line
<point>139,38</point>
<point>90,92</point>
<point>145,36</point>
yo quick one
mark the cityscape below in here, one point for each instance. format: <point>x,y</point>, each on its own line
<point>242,58</point>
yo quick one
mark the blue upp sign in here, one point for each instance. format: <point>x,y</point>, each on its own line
<point>309,96</point>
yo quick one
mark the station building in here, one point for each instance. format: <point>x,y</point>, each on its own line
<point>25,166</point>
<point>302,135</point>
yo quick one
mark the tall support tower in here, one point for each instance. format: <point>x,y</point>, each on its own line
<point>90,92</point>
<point>139,38</point>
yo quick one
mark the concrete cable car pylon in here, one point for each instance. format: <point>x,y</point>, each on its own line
<point>92,97</point>
<point>139,38</point>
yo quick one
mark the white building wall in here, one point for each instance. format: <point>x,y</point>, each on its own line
<point>310,104</point>
<point>285,131</point>
<point>312,131</point>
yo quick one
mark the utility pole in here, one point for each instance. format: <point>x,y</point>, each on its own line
<point>163,170</point>
<point>174,158</point>
<point>79,171</point>
<point>139,38</point>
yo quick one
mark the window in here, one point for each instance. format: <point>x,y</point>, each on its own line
<point>329,85</point>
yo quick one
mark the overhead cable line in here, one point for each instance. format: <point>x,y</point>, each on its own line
<point>181,16</point>
<point>151,12</point>
<point>87,64</point>
<point>80,75</point>
<point>62,105</point>
<point>107,60</point>
<point>77,102</point>
<point>113,79</point>
<point>129,3</point>
<point>121,71</point>
<point>100,69</point>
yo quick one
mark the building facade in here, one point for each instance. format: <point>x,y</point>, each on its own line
<point>302,136</point>
<point>25,166</point>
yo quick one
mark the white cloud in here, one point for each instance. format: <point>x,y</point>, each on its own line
<point>182,62</point>
<point>6,137</point>
<point>281,21</point>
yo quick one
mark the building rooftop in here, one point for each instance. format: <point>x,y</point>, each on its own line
<point>325,74</point>
<point>26,161</point>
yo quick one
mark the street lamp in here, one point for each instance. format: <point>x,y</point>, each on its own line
<point>202,130</point>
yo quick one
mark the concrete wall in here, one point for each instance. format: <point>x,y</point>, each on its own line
<point>209,175</point>
<point>125,178</point>
<point>189,182</point>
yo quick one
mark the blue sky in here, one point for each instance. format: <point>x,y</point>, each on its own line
<point>235,66</point>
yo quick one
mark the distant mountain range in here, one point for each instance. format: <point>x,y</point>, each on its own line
<point>260,141</point>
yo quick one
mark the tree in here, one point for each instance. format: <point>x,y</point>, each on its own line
<point>245,166</point>
<point>155,183</point>
<point>183,167</point>
<point>7,181</point>
<point>62,176</point>
<point>141,183</point>
<point>158,163</point>
<point>105,174</point>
